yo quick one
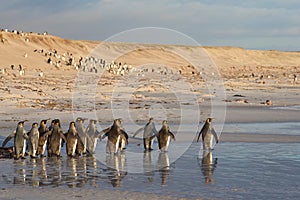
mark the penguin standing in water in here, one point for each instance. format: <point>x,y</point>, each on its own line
<point>20,136</point>
<point>164,136</point>
<point>72,140</point>
<point>55,138</point>
<point>115,134</point>
<point>149,134</point>
<point>33,140</point>
<point>92,137</point>
<point>43,137</point>
<point>208,134</point>
<point>81,145</point>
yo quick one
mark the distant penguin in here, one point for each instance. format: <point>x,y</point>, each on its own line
<point>81,146</point>
<point>208,134</point>
<point>20,136</point>
<point>92,137</point>
<point>43,137</point>
<point>33,140</point>
<point>72,140</point>
<point>149,134</point>
<point>114,134</point>
<point>55,139</point>
<point>164,136</point>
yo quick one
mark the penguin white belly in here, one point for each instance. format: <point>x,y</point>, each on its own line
<point>165,148</point>
<point>44,147</point>
<point>84,144</point>
<point>24,148</point>
<point>59,146</point>
<point>95,144</point>
<point>207,143</point>
<point>117,144</point>
<point>74,148</point>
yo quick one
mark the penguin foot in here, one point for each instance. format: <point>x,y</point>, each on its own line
<point>23,158</point>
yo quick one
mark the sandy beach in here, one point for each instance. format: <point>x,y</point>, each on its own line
<point>58,89</point>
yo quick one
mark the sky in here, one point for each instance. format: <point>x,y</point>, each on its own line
<point>250,24</point>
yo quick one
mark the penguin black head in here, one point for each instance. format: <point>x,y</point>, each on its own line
<point>34,124</point>
<point>151,119</point>
<point>72,123</point>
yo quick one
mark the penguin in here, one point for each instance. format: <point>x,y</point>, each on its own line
<point>164,136</point>
<point>72,140</point>
<point>43,137</point>
<point>55,138</point>
<point>208,134</point>
<point>149,134</point>
<point>92,137</point>
<point>81,145</point>
<point>115,134</point>
<point>20,136</point>
<point>33,140</point>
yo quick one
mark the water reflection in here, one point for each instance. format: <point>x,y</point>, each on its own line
<point>208,165</point>
<point>164,167</point>
<point>148,166</point>
<point>116,168</point>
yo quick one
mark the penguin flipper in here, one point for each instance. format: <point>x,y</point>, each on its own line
<point>25,134</point>
<point>62,135</point>
<point>8,138</point>
<point>202,130</point>
<point>138,131</point>
<point>153,137</point>
<point>172,135</point>
<point>215,135</point>
<point>104,133</point>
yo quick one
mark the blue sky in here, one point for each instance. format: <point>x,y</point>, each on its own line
<point>264,24</point>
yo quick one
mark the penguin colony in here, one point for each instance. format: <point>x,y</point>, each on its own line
<point>82,141</point>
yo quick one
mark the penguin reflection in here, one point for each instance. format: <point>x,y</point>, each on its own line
<point>72,167</point>
<point>91,168</point>
<point>116,168</point>
<point>20,172</point>
<point>164,167</point>
<point>43,169</point>
<point>148,166</point>
<point>208,165</point>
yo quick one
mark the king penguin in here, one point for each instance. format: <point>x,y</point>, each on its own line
<point>114,134</point>
<point>33,140</point>
<point>208,134</point>
<point>92,137</point>
<point>81,145</point>
<point>20,136</point>
<point>55,138</point>
<point>43,137</point>
<point>72,140</point>
<point>149,134</point>
<point>164,136</point>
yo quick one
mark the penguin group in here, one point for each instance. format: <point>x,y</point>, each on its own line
<point>81,140</point>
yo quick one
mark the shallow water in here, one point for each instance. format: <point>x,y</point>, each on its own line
<point>235,170</point>
<point>283,128</point>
